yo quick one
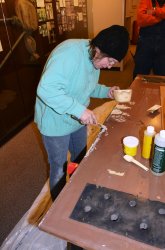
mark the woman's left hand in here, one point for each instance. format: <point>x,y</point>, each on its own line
<point>111,91</point>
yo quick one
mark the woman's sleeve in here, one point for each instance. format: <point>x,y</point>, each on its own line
<point>52,89</point>
<point>100,91</point>
<point>160,12</point>
<point>144,18</point>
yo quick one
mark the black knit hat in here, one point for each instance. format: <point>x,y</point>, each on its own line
<point>113,41</point>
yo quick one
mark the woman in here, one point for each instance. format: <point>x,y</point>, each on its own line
<point>69,79</point>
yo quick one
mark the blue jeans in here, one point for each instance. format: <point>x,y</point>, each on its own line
<point>57,148</point>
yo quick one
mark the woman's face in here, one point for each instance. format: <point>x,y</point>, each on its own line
<point>101,61</point>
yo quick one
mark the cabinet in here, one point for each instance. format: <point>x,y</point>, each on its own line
<point>24,50</point>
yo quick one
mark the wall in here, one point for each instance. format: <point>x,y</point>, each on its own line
<point>104,13</point>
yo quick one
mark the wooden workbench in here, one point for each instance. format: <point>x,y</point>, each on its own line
<point>94,169</point>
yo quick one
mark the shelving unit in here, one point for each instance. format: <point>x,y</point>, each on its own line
<point>61,19</point>
<point>57,20</point>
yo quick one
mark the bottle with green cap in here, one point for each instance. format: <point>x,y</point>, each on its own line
<point>158,161</point>
<point>148,141</point>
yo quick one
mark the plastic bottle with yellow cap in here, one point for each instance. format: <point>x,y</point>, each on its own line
<point>147,142</point>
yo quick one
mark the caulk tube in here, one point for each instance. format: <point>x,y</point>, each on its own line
<point>149,134</point>
<point>158,161</point>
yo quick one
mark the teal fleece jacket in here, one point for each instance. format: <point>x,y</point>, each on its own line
<point>67,82</point>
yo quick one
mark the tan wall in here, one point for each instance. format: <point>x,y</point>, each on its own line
<point>103,13</point>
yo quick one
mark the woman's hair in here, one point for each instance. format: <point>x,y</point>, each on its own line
<point>92,51</point>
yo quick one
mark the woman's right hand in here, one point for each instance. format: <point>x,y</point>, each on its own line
<point>88,117</point>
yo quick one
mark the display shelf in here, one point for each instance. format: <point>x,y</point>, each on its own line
<point>43,25</point>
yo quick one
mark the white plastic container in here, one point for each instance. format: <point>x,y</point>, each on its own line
<point>130,145</point>
<point>158,161</point>
<point>147,142</point>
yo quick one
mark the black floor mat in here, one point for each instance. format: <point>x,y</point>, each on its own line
<point>139,219</point>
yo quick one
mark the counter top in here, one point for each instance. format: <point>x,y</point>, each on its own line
<point>94,169</point>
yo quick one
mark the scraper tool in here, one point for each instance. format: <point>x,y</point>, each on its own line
<point>98,124</point>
